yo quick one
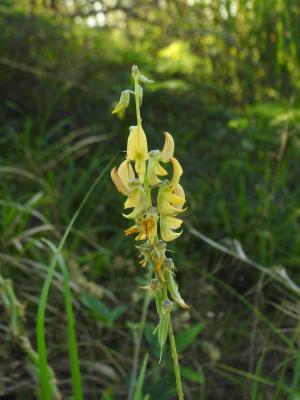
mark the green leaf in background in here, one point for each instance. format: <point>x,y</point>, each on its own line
<point>192,376</point>
<point>187,336</point>
<point>100,311</point>
<point>108,393</point>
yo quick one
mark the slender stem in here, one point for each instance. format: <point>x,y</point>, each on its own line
<point>138,341</point>
<point>175,362</point>
<point>137,102</point>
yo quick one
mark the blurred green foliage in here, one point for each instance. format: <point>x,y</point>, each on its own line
<point>227,87</point>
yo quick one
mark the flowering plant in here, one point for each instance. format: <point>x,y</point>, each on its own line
<point>155,222</point>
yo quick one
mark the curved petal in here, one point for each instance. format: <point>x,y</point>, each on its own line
<point>126,172</point>
<point>119,184</point>
<point>179,191</point>
<point>167,229</point>
<point>177,172</point>
<point>159,170</point>
<point>164,199</point>
<point>133,200</point>
<point>168,149</point>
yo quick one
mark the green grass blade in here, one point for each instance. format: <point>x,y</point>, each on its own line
<point>138,394</point>
<point>296,378</point>
<point>45,387</point>
<point>72,340</point>
<point>258,369</point>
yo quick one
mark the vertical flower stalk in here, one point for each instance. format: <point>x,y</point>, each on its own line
<point>155,198</point>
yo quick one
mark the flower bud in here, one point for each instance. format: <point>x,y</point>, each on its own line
<point>135,72</point>
<point>123,102</point>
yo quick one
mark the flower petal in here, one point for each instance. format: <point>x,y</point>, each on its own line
<point>174,223</point>
<point>168,149</point>
<point>133,199</point>
<point>140,168</point>
<point>159,170</point>
<point>137,147</point>
<point>126,172</point>
<point>177,172</point>
<point>175,200</point>
<point>151,172</point>
<point>119,184</point>
<point>165,201</point>
<point>166,230</point>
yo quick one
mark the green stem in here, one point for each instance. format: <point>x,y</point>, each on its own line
<point>137,102</point>
<point>175,362</point>
<point>138,341</point>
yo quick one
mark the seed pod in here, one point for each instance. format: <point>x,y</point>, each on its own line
<point>173,289</point>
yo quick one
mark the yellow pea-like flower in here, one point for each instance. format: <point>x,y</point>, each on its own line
<point>168,202</point>
<point>126,183</point>
<point>154,168</point>
<point>145,227</point>
<point>137,149</point>
<point>137,200</point>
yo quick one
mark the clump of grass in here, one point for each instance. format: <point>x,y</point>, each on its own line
<point>16,311</point>
<point>155,223</point>
<point>46,391</point>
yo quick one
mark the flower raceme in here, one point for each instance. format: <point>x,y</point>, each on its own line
<point>150,181</point>
<point>137,184</point>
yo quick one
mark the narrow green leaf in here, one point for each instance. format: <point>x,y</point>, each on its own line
<point>187,336</point>
<point>100,311</point>
<point>45,387</point>
<point>72,340</point>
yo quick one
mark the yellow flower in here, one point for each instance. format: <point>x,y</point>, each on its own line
<point>156,156</point>
<point>137,149</point>
<point>126,183</point>
<point>138,200</point>
<point>170,200</point>
<point>146,226</point>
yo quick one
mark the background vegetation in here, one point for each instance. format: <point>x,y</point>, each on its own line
<point>227,87</point>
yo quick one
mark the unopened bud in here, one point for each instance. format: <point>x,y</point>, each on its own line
<point>123,102</point>
<point>135,72</point>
